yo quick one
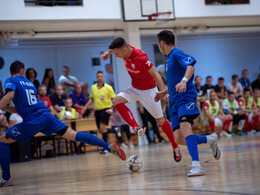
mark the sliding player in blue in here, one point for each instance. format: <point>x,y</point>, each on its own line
<point>182,97</point>
<point>36,118</point>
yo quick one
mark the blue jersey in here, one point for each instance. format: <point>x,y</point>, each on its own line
<point>175,69</point>
<point>25,99</point>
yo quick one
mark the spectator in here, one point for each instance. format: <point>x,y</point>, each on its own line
<point>221,90</point>
<point>68,108</point>
<point>235,87</point>
<point>58,98</point>
<point>14,119</point>
<point>147,117</point>
<point>215,115</point>
<point>257,103</point>
<point>102,95</point>
<point>79,100</point>
<point>3,121</point>
<point>31,75</point>
<point>247,104</point>
<point>230,106</point>
<point>1,90</point>
<point>68,82</point>
<point>42,92</point>
<point>208,87</point>
<point>256,83</point>
<point>48,81</point>
<point>245,82</point>
<point>110,75</point>
<point>201,93</point>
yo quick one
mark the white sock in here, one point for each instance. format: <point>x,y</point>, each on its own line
<point>230,127</point>
<point>241,124</point>
<point>209,139</point>
<point>195,163</point>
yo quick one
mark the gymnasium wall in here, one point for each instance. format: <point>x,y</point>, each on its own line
<point>217,55</point>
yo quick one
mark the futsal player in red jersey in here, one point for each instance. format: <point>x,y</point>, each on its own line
<point>144,78</point>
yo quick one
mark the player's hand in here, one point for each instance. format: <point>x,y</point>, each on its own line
<point>166,98</point>
<point>160,95</point>
<point>83,111</point>
<point>181,87</point>
<point>105,56</point>
<point>109,111</point>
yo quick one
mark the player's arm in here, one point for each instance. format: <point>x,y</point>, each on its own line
<point>206,110</point>
<point>10,109</point>
<point>6,100</point>
<point>106,55</point>
<point>158,79</point>
<point>181,87</point>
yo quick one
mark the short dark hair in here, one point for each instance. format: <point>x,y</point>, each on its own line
<point>100,72</point>
<point>117,43</point>
<point>220,79</point>
<point>256,89</point>
<point>234,76</point>
<point>167,37</point>
<point>41,86</point>
<point>231,93</point>
<point>246,90</point>
<point>27,73</point>
<point>16,67</point>
<point>66,67</point>
<point>197,77</point>
<point>208,77</point>
<point>244,71</point>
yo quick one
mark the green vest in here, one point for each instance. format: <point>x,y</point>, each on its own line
<point>249,105</point>
<point>213,109</point>
<point>231,107</point>
<point>257,103</point>
<point>73,114</point>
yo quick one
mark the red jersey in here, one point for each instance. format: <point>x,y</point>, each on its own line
<point>137,65</point>
<point>46,100</point>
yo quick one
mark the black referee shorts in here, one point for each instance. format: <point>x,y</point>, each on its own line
<point>102,117</point>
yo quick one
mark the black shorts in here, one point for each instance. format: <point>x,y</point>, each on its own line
<point>102,117</point>
<point>237,118</point>
<point>186,118</point>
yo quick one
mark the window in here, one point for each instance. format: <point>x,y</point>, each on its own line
<point>53,2</point>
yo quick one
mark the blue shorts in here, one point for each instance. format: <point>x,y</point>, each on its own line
<point>183,110</point>
<point>44,123</point>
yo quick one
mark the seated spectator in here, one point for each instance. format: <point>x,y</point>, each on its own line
<point>14,119</point>
<point>79,100</point>
<point>221,90</point>
<point>230,106</point>
<point>68,82</point>
<point>257,103</point>
<point>1,90</point>
<point>245,82</point>
<point>201,93</point>
<point>256,83</point>
<point>247,104</point>
<point>214,114</point>
<point>3,122</point>
<point>58,98</point>
<point>208,87</point>
<point>68,108</point>
<point>235,87</point>
<point>42,92</point>
<point>147,117</point>
<point>31,75</point>
<point>48,81</point>
<point>109,75</point>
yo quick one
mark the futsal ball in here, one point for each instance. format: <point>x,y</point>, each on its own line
<point>67,115</point>
<point>135,163</point>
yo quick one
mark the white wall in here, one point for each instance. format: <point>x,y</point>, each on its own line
<point>91,9</point>
<point>217,55</point>
<point>197,8</point>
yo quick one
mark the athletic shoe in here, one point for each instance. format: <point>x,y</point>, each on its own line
<point>130,144</point>
<point>123,146</point>
<point>241,133</point>
<point>177,154</point>
<point>103,151</point>
<point>5,183</point>
<point>226,134</point>
<point>196,171</point>
<point>139,130</point>
<point>231,133</point>
<point>214,146</point>
<point>117,151</point>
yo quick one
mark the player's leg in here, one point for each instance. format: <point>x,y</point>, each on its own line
<point>88,138</point>
<point>211,121</point>
<point>5,161</point>
<point>126,96</point>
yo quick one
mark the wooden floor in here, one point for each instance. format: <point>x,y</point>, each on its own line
<point>237,172</point>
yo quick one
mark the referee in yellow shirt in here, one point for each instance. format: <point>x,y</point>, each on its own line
<point>102,95</point>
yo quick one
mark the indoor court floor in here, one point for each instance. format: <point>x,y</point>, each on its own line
<point>237,172</point>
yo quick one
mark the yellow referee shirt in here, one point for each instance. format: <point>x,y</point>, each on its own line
<point>102,97</point>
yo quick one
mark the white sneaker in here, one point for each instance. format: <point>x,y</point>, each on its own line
<point>123,146</point>
<point>5,183</point>
<point>226,134</point>
<point>139,130</point>
<point>214,145</point>
<point>196,171</point>
<point>130,144</point>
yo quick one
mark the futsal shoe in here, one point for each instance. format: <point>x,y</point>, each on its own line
<point>214,145</point>
<point>117,151</point>
<point>196,171</point>
<point>139,130</point>
<point>241,133</point>
<point>177,154</point>
<point>5,183</point>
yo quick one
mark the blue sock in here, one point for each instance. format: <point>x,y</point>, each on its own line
<point>201,139</point>
<point>92,140</point>
<point>191,142</point>
<point>5,160</point>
